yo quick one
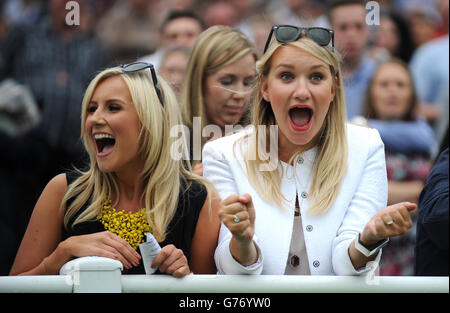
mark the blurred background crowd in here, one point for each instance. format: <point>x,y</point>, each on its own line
<point>395,74</point>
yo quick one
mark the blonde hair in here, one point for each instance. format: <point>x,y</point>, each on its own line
<point>162,175</point>
<point>331,163</point>
<point>216,47</point>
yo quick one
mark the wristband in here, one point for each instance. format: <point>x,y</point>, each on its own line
<point>374,248</point>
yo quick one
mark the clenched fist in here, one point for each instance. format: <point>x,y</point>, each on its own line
<point>238,215</point>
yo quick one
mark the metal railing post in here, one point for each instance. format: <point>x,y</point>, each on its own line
<point>94,274</point>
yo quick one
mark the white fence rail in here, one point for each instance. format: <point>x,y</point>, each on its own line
<point>95,274</point>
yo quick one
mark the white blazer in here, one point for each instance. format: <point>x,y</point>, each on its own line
<point>327,236</point>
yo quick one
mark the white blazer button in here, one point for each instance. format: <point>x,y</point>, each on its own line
<point>309,228</point>
<point>300,160</point>
<point>316,263</point>
<point>304,195</point>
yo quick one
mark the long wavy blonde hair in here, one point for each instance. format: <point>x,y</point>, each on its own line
<point>331,163</point>
<point>162,175</point>
<point>217,47</point>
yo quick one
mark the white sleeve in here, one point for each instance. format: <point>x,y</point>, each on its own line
<point>216,168</point>
<point>369,197</point>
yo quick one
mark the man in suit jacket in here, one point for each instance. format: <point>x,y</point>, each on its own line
<point>431,252</point>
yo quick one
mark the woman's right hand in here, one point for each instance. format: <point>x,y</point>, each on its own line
<point>238,215</point>
<point>103,244</point>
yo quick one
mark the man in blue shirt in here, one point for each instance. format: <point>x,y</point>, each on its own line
<point>429,68</point>
<point>348,20</point>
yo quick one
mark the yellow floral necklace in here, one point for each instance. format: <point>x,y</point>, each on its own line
<point>130,226</point>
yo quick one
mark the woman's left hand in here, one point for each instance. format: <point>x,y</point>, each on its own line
<point>391,221</point>
<point>172,261</point>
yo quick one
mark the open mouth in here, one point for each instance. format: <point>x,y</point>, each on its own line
<point>300,118</point>
<point>105,143</point>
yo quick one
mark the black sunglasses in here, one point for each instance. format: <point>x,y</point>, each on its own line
<point>288,33</point>
<point>139,66</point>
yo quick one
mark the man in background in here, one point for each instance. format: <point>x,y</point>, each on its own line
<point>348,20</point>
<point>180,28</point>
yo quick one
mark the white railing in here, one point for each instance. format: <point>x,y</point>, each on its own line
<point>94,274</point>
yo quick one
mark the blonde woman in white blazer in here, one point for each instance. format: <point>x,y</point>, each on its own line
<point>315,203</point>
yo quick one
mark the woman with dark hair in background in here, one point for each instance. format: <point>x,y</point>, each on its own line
<point>391,107</point>
<point>394,37</point>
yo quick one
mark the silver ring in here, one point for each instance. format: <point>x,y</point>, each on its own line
<point>389,222</point>
<point>236,219</point>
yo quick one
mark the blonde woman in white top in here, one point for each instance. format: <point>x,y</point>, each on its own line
<point>333,174</point>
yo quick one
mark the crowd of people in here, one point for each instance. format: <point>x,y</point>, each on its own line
<point>361,153</point>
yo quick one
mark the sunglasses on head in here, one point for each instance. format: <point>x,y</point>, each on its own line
<point>288,33</point>
<point>139,66</point>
